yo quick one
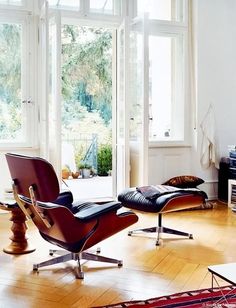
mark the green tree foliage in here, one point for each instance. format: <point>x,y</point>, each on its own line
<point>86,71</point>
<point>87,89</point>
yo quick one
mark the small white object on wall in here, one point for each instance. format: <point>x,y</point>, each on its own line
<point>209,154</point>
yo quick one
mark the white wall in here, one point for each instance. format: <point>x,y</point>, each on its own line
<point>216,73</point>
<point>217,65</point>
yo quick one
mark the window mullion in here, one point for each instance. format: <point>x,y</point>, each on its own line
<point>84,7</point>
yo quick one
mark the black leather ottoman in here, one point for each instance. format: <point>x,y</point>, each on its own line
<point>170,202</point>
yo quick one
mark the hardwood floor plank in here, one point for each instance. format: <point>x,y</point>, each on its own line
<point>183,275</point>
<point>178,264</point>
<point>194,280</point>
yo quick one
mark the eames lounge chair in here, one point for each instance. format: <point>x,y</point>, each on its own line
<point>73,226</point>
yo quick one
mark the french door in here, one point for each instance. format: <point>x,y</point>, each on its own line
<point>123,110</point>
<point>139,102</point>
<point>130,156</point>
<point>50,71</point>
<point>132,104</point>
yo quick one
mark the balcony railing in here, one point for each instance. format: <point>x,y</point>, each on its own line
<point>83,147</point>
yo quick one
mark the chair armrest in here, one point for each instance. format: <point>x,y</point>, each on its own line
<point>97,210</point>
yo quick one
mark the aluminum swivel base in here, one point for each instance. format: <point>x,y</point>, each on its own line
<point>65,256</point>
<point>160,229</point>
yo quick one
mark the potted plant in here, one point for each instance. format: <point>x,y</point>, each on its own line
<point>104,160</point>
<point>65,172</point>
<point>85,170</point>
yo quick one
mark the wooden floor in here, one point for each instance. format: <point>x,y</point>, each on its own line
<point>178,264</point>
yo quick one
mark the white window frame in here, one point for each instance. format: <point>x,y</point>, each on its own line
<point>173,29</point>
<point>28,73</point>
<point>157,28</point>
<point>24,6</point>
<point>121,8</point>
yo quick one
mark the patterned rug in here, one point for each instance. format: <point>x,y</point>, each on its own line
<point>218,297</point>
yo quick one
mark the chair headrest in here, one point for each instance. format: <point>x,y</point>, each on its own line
<point>37,172</point>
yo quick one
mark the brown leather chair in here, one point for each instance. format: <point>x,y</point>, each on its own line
<point>73,226</point>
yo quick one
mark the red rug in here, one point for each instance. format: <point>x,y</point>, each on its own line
<point>218,297</point>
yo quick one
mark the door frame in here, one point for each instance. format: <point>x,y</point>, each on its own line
<point>50,113</point>
<point>54,155</point>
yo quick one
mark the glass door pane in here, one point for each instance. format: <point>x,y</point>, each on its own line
<point>122,148</point>
<point>139,98</point>
<point>87,110</point>
<point>50,87</point>
<point>12,115</point>
<point>166,77</point>
<point>170,10</point>
<point>101,6</point>
<point>12,2</point>
<point>54,98</point>
<point>44,81</point>
<point>160,87</point>
<point>70,4</point>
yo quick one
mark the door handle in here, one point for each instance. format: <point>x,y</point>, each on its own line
<point>27,101</point>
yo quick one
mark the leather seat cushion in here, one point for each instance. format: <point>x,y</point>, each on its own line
<point>133,199</point>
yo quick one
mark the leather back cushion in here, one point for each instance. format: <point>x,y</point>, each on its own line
<point>184,181</point>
